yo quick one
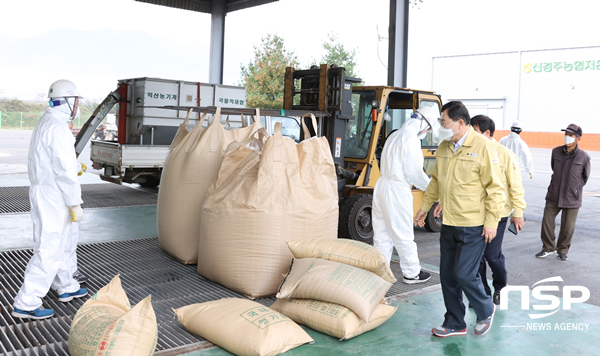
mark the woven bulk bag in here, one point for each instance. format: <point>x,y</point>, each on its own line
<point>182,131</point>
<point>190,168</point>
<point>258,204</point>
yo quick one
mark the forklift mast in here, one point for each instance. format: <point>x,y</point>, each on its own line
<point>324,89</point>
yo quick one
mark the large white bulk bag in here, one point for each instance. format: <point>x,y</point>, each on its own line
<point>261,201</point>
<point>190,168</point>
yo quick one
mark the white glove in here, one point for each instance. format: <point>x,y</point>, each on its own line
<point>76,213</point>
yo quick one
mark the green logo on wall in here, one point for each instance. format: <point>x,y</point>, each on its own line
<point>578,66</point>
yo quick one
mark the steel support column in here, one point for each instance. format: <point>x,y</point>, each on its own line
<point>398,43</point>
<point>217,42</point>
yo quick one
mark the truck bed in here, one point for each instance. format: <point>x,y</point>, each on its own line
<point>129,156</point>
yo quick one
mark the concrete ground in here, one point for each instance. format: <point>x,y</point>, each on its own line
<point>408,331</point>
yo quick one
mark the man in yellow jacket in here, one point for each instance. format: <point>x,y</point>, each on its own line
<point>466,180</point>
<point>511,178</point>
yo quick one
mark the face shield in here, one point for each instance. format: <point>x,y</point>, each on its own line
<point>429,126</point>
<point>69,106</point>
<point>426,126</point>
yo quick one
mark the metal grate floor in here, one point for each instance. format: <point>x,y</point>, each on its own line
<point>145,269</point>
<point>16,199</point>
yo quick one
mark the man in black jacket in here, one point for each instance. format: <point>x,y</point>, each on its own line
<point>571,170</point>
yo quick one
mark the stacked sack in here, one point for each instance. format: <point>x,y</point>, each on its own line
<point>341,299</point>
<point>243,327</point>
<point>262,199</point>
<point>191,166</point>
<point>106,324</point>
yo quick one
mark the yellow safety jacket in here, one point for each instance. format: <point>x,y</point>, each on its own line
<point>467,183</point>
<point>511,178</point>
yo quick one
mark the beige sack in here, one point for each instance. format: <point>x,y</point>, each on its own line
<point>259,203</point>
<point>107,325</point>
<point>354,288</point>
<point>243,327</point>
<point>350,252</point>
<point>182,131</point>
<point>332,319</point>
<point>190,169</point>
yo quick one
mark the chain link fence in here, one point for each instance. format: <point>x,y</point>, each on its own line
<point>28,120</point>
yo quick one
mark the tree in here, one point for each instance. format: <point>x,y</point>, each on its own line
<point>264,77</point>
<point>336,53</point>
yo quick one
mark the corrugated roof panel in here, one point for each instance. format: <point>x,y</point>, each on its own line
<point>206,5</point>
<point>233,5</point>
<point>191,5</point>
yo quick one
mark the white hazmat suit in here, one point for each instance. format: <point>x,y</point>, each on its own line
<point>516,144</point>
<point>401,166</point>
<point>54,188</point>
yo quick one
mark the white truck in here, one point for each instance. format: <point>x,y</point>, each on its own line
<point>145,132</point>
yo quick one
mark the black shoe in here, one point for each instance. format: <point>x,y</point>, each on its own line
<point>420,278</point>
<point>543,254</point>
<point>563,256</point>
<point>496,298</point>
<point>80,277</point>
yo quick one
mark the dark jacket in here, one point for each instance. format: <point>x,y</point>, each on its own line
<point>570,174</point>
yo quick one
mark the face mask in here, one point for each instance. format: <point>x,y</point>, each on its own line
<point>569,140</point>
<point>446,134</point>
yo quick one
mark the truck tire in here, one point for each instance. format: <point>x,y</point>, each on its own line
<point>355,218</point>
<point>433,224</point>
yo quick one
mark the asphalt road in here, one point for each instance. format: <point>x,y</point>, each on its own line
<point>582,268</point>
<point>14,147</point>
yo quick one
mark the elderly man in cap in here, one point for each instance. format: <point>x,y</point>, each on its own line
<point>571,170</point>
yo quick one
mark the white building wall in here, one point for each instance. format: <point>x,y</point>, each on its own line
<point>559,87</point>
<point>488,84</point>
<point>544,90</point>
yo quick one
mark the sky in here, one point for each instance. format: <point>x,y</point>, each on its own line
<point>436,28</point>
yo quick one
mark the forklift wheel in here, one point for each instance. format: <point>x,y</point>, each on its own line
<point>433,224</point>
<point>355,218</point>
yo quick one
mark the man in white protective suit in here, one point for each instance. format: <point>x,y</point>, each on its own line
<point>55,198</point>
<point>402,165</point>
<point>516,144</point>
